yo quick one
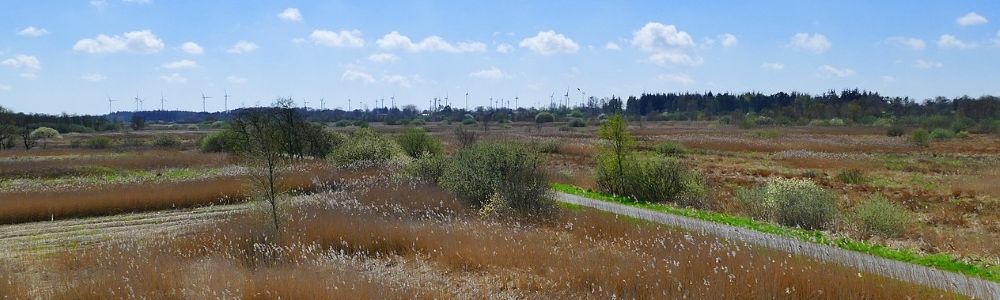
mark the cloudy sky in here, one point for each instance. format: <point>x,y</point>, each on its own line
<point>70,56</point>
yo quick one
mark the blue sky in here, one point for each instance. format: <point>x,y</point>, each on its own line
<point>69,56</point>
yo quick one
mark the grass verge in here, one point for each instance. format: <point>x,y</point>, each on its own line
<point>944,262</point>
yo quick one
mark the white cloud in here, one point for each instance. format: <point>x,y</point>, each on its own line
<point>383,57</point>
<point>32,31</point>
<point>505,48</point>
<point>674,58</point>
<point>655,37</point>
<point>192,48</point>
<point>235,79</point>
<point>550,42</point>
<point>4,87</point>
<point>492,73</point>
<point>950,41</point>
<point>291,14</point>
<point>728,40</point>
<point>96,76</point>
<point>395,41</point>
<point>142,41</point>
<point>683,79</point>
<point>174,78</point>
<point>399,80</point>
<point>612,46</point>
<point>28,63</point>
<point>353,75</point>
<point>99,4</point>
<point>924,64</point>
<point>912,43</point>
<point>773,66</point>
<point>816,43</point>
<point>242,47</point>
<point>334,39</point>
<point>827,69</point>
<point>971,19</point>
<point>888,78</point>
<point>181,64</point>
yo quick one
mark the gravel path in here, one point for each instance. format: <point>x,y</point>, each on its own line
<point>948,281</point>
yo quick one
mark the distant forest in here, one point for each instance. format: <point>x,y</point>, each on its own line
<point>849,106</point>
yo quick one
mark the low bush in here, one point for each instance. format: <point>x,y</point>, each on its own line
<point>766,134</point>
<point>851,176</point>
<point>920,137</point>
<point>498,177</point>
<point>790,202</point>
<point>895,130</point>
<point>416,142</point>
<point>648,179</point>
<point>427,168</point>
<point>343,123</point>
<point>418,122</point>
<point>366,147</point>
<point>545,117</point>
<point>550,146</point>
<point>577,122</point>
<point>726,120</point>
<point>837,122</point>
<point>219,141</point>
<point>876,216</point>
<point>166,140</point>
<point>469,121</point>
<point>98,142</point>
<point>565,128</point>
<point>671,148</point>
<point>962,135</point>
<point>940,134</point>
<point>465,137</point>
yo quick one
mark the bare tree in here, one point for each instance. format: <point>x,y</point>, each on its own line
<point>260,144</point>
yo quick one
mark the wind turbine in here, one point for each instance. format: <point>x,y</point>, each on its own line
<point>225,95</point>
<point>583,96</point>
<point>203,97</point>
<point>466,99</point>
<point>138,102</point>
<point>552,104</point>
<point>567,97</point>
<point>348,103</point>
<point>305,104</point>
<point>446,99</point>
<point>109,104</point>
<point>322,103</point>
<point>515,101</point>
<point>162,100</point>
<point>393,98</point>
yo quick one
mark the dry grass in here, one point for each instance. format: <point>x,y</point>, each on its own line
<point>63,163</point>
<point>378,238</point>
<point>25,206</point>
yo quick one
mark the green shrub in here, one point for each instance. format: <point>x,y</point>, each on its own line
<point>577,123</point>
<point>219,141</point>
<point>131,140</point>
<point>920,137</point>
<point>962,134</point>
<point>648,179</point>
<point>416,142</point>
<point>166,140</point>
<point>500,176</point>
<point>884,122</point>
<point>361,123</point>
<point>98,142</point>
<point>876,216</point>
<point>343,123</point>
<point>851,176</point>
<point>988,126</point>
<point>418,122</point>
<point>366,147</point>
<point>565,128</point>
<point>940,134</point>
<point>895,130</point>
<point>747,123</point>
<point>726,120</point>
<point>469,121</point>
<point>218,124</point>
<point>550,146</point>
<point>837,122</point>
<point>790,202</point>
<point>818,122</point>
<point>427,168</point>
<point>576,114</point>
<point>766,134</point>
<point>671,148</point>
<point>545,117</point>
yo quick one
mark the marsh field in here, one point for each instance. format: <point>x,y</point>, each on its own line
<point>155,220</point>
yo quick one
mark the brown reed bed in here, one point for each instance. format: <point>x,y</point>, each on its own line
<point>379,238</point>
<point>97,200</point>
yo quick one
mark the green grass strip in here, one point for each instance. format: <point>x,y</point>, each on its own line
<point>944,262</point>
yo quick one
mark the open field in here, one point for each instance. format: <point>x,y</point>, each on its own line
<point>379,237</point>
<point>364,234</point>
